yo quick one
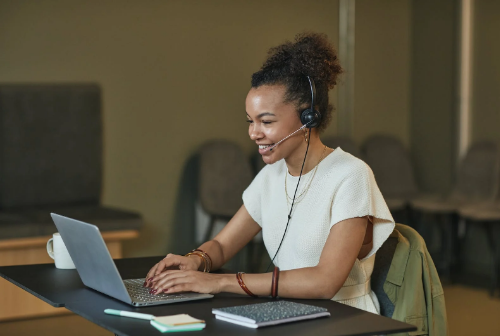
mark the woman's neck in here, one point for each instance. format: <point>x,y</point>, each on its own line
<point>314,155</point>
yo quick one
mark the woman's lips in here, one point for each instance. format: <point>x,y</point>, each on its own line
<point>264,149</point>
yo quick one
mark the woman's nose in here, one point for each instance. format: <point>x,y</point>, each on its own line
<point>255,133</point>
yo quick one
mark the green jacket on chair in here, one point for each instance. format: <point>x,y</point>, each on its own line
<point>413,285</point>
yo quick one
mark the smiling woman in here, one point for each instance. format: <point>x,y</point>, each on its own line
<point>322,215</point>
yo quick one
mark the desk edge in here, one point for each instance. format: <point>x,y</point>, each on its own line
<point>53,304</point>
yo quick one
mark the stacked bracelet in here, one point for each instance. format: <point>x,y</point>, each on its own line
<point>205,256</point>
<point>242,284</point>
<point>203,259</point>
<point>274,284</point>
<point>207,261</point>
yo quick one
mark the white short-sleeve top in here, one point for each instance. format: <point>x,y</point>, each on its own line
<point>343,187</point>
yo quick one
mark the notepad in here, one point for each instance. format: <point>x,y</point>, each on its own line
<point>269,313</point>
<point>166,328</point>
<point>179,322</point>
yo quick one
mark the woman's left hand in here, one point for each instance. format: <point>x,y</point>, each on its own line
<point>174,281</point>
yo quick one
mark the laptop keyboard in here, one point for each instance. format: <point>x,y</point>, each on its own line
<point>139,293</point>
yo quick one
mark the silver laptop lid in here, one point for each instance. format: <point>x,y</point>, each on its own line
<point>91,257</point>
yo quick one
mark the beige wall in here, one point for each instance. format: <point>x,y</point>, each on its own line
<point>382,69</point>
<point>486,71</point>
<point>173,74</point>
<point>433,123</point>
<point>485,112</point>
<point>176,73</point>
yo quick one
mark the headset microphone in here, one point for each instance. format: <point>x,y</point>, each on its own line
<point>301,128</point>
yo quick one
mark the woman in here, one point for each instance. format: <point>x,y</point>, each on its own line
<point>339,217</point>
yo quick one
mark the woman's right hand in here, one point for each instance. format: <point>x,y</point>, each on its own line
<point>173,262</point>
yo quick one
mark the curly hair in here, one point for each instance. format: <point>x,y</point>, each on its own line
<point>311,54</point>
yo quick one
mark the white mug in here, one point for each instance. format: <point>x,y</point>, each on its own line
<point>58,251</point>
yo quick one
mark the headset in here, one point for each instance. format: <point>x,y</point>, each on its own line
<point>310,118</point>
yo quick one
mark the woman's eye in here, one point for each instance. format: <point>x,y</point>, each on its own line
<point>265,122</point>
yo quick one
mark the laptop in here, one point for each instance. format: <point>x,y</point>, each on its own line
<point>98,271</point>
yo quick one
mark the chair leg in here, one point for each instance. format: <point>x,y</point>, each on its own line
<point>492,245</point>
<point>408,216</point>
<point>497,270</point>
<point>497,261</point>
<point>422,227</point>
<point>412,218</point>
<point>461,247</point>
<point>454,220</point>
<point>446,244</point>
<point>420,222</point>
<point>495,229</point>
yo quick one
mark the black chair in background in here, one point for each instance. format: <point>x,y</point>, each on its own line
<point>476,185</point>
<point>224,173</point>
<point>486,217</point>
<point>393,170</point>
<point>51,144</point>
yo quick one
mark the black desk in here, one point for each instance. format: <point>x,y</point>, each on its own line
<point>63,288</point>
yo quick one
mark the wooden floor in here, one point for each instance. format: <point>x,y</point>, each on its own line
<point>470,312</point>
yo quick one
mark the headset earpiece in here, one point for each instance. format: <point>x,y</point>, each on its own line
<point>310,116</point>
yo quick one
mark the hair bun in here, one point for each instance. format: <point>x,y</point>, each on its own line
<point>288,64</point>
<point>311,54</point>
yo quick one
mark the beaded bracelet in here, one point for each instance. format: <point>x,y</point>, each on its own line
<point>242,284</point>
<point>274,284</point>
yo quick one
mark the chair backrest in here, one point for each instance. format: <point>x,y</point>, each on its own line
<point>391,166</point>
<point>479,173</point>
<point>347,144</point>
<point>383,260</point>
<point>225,172</point>
<point>51,144</point>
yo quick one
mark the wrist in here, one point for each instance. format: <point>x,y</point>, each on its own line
<point>198,261</point>
<point>228,283</point>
